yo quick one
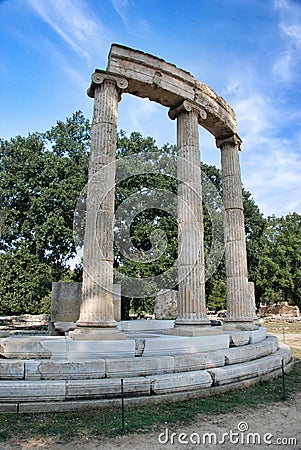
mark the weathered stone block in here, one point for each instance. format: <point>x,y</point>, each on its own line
<point>20,347</point>
<point>146,325</point>
<point>199,361</point>
<point>84,333</point>
<point>65,301</point>
<point>250,352</point>
<point>11,370</point>
<point>231,374</point>
<point>64,326</point>
<point>131,367</point>
<point>176,382</point>
<point>251,369</point>
<point>173,85</point>
<point>176,345</point>
<point>57,346</point>
<point>166,304</point>
<point>100,349</point>
<point>38,391</point>
<point>238,338</point>
<point>4,334</point>
<point>107,388</point>
<point>117,301</point>
<point>266,347</point>
<point>242,354</point>
<point>9,408</point>
<point>284,352</point>
<point>64,370</point>
<point>273,340</point>
<point>258,335</point>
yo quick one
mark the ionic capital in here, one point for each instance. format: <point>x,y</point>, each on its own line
<point>233,140</point>
<point>187,106</point>
<point>99,76</point>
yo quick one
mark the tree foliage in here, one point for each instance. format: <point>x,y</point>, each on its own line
<point>148,221</point>
<point>42,176</point>
<point>254,226</point>
<point>279,268</point>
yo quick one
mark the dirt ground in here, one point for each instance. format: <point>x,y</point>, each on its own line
<point>275,425</point>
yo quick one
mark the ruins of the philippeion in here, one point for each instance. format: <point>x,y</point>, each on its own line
<point>157,359</point>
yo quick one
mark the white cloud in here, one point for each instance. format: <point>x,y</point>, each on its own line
<point>253,114</point>
<point>76,76</point>
<point>287,67</point>
<point>141,111</point>
<point>147,117</point>
<point>122,7</point>
<point>257,115</point>
<point>274,179</point>
<point>293,31</point>
<point>283,68</point>
<point>74,23</point>
<point>131,16</point>
<point>271,165</point>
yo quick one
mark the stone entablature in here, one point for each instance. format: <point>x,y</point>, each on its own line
<point>164,83</point>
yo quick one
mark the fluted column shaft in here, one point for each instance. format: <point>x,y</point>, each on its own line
<point>97,302</point>
<point>191,264</point>
<point>240,306</point>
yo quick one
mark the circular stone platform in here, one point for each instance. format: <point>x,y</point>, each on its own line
<point>57,373</point>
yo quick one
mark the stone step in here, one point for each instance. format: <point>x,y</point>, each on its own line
<point>64,369</point>
<point>251,369</point>
<point>16,391</point>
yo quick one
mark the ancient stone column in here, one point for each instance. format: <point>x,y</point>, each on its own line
<point>240,305</point>
<point>191,264</point>
<point>96,320</point>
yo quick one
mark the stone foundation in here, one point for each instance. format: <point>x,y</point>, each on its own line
<point>89,372</point>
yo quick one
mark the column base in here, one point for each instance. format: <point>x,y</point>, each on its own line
<point>96,334</point>
<point>192,322</point>
<point>240,325</point>
<point>96,323</point>
<point>188,329</point>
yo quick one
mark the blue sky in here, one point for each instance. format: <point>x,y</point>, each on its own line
<point>248,51</point>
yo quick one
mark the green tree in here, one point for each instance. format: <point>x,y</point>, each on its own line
<point>25,283</point>
<point>147,221</point>
<point>280,264</point>
<point>153,219</point>
<point>41,177</point>
<point>254,227</point>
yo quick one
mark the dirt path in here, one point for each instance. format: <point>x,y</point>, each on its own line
<point>273,421</point>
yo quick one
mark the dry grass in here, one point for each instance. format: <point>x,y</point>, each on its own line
<point>288,333</point>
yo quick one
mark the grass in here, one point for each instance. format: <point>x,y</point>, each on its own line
<point>294,327</point>
<point>284,332</point>
<point>107,421</point>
